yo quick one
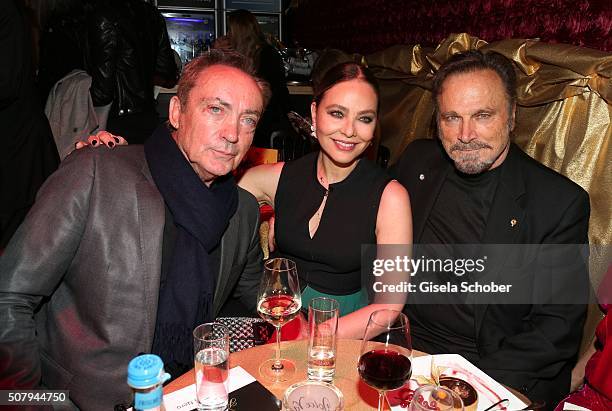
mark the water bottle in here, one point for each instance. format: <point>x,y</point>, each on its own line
<point>146,377</point>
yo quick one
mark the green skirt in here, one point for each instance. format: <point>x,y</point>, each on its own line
<point>347,303</point>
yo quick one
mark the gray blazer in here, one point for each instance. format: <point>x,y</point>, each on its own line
<point>79,281</point>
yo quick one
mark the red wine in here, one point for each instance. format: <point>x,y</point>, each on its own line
<point>384,369</point>
<point>278,309</point>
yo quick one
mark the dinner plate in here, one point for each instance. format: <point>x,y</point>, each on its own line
<point>454,365</point>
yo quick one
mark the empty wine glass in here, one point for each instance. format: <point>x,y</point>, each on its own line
<point>279,301</point>
<point>386,352</point>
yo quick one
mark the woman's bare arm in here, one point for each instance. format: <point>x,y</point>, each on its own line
<point>262,181</point>
<point>393,226</point>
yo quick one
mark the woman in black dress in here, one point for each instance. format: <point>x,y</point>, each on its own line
<point>328,203</point>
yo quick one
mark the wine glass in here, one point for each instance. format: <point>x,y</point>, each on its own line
<point>279,301</point>
<point>437,396</point>
<point>386,352</point>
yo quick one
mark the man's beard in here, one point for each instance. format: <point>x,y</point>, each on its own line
<point>471,162</point>
<point>474,162</point>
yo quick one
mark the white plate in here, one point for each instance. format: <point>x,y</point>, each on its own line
<point>454,365</point>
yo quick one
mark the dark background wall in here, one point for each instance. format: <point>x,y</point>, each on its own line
<point>366,26</point>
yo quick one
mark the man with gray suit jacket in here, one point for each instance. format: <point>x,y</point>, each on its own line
<point>126,251</point>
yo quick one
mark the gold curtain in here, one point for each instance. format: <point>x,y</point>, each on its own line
<point>563,117</point>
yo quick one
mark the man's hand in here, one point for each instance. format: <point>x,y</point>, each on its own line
<point>102,138</point>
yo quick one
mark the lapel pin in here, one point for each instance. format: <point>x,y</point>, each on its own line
<point>421,177</point>
<point>513,222</point>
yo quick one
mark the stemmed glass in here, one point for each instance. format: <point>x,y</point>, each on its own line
<point>386,352</point>
<point>279,301</point>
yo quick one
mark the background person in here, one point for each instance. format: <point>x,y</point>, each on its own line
<point>596,392</point>
<point>27,150</point>
<point>129,53</point>
<point>245,36</point>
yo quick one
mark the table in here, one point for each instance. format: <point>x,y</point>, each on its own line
<point>357,395</point>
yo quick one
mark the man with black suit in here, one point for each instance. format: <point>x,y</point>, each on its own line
<point>474,186</point>
<point>126,251</point>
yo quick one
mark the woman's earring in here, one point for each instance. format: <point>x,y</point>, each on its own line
<point>312,131</point>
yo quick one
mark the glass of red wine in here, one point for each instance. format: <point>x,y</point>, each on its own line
<point>279,301</point>
<point>386,353</point>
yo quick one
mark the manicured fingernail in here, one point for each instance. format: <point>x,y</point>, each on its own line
<point>94,142</point>
<point>116,140</point>
<point>111,144</point>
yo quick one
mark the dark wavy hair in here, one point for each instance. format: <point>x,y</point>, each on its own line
<point>476,60</point>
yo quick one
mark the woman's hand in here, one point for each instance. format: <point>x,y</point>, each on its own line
<point>102,138</point>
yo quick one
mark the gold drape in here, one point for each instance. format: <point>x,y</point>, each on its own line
<point>563,117</point>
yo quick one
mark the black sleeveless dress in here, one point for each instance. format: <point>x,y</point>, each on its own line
<point>330,261</point>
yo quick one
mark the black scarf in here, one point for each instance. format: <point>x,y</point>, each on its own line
<point>201,215</point>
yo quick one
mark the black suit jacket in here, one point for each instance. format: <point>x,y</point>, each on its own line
<point>529,347</point>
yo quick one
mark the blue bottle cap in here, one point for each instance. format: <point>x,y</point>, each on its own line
<point>146,371</point>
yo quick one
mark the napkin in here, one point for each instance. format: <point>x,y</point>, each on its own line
<point>574,407</point>
<point>243,389</point>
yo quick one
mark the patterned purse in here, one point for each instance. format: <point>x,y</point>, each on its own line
<point>246,332</point>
